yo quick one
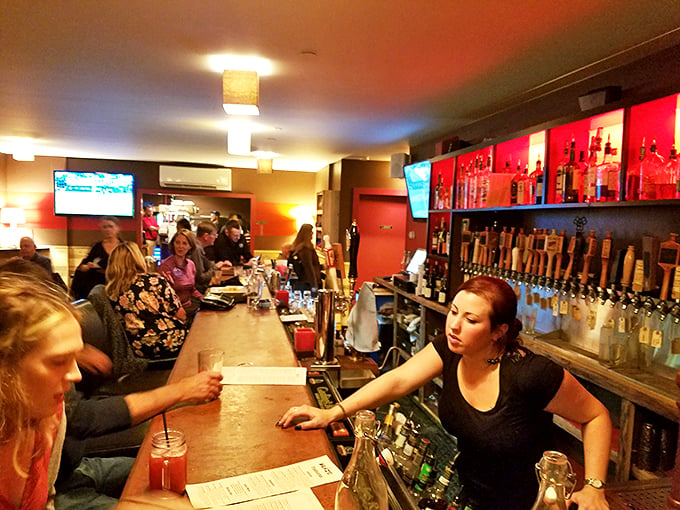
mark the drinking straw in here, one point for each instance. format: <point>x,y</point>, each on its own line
<point>165,427</point>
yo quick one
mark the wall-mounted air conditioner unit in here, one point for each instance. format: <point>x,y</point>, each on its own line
<point>194,178</point>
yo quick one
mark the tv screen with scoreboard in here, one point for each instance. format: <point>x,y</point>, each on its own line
<point>93,193</point>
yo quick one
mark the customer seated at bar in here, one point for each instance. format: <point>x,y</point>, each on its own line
<point>206,233</point>
<point>81,483</point>
<point>180,271</point>
<point>39,341</point>
<point>92,270</point>
<point>304,260</point>
<point>90,359</point>
<point>27,249</point>
<point>498,399</point>
<point>231,248</point>
<point>150,310</point>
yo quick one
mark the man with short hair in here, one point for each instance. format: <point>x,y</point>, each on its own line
<point>27,251</point>
<point>150,228</point>
<point>231,247</point>
<point>206,233</point>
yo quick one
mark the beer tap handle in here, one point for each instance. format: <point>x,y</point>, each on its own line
<point>605,256</point>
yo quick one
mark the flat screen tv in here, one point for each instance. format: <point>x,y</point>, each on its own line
<point>417,177</point>
<point>93,193</point>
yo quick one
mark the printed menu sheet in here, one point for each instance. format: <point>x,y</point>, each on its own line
<point>272,482</point>
<point>304,498</point>
<point>292,376</point>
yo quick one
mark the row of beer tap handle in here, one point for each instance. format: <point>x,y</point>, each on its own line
<point>546,259</point>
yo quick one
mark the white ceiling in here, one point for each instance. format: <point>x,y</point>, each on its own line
<point>124,79</point>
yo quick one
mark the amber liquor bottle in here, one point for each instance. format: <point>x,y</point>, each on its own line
<point>573,177</point>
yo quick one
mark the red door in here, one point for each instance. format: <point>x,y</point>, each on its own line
<point>381,217</point>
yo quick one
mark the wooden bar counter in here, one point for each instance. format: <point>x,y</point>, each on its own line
<point>235,434</point>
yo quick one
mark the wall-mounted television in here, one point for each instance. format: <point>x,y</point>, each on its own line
<point>93,193</point>
<point>417,177</point>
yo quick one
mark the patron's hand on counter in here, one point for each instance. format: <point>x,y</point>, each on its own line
<point>307,417</point>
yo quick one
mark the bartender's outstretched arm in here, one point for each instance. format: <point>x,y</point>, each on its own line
<point>421,368</point>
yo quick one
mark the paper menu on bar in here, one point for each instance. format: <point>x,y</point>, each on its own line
<point>237,489</point>
<point>291,376</point>
<point>296,500</point>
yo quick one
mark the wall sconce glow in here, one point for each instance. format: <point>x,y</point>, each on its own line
<point>23,149</point>
<point>219,63</point>
<point>302,214</point>
<point>241,92</point>
<point>238,141</point>
<point>13,216</point>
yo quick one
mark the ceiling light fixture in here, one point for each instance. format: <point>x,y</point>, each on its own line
<point>238,141</point>
<point>240,92</point>
<point>264,166</point>
<point>23,149</point>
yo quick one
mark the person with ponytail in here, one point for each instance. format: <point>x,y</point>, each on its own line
<point>497,399</point>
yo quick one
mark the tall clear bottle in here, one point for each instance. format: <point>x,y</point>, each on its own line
<point>362,486</point>
<point>608,176</point>
<point>633,176</point>
<point>650,168</point>
<point>556,482</point>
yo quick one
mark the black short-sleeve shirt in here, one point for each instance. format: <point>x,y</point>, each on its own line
<point>500,447</point>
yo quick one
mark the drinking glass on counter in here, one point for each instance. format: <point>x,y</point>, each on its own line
<point>168,461</point>
<point>210,360</point>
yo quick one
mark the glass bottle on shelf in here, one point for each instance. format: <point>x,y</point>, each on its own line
<point>560,175</point>
<point>573,177</point>
<point>362,486</point>
<point>473,189</point>
<point>673,166</point>
<point>537,182</point>
<point>665,177</point>
<point>607,176</point>
<point>590,179</point>
<point>525,195</point>
<point>633,176</point>
<point>649,172</point>
<point>485,179</point>
<point>436,199</point>
<point>515,186</point>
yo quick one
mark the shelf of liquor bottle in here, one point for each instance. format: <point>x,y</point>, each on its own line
<point>574,205</point>
<point>646,389</point>
<point>440,211</point>
<point>427,303</point>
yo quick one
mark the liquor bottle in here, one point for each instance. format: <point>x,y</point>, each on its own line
<point>434,277</point>
<point>441,241</point>
<point>434,498</point>
<point>386,432</point>
<point>607,176</point>
<point>633,176</point>
<point>649,170</point>
<point>443,289</point>
<point>560,175</point>
<point>537,180</point>
<point>590,178</point>
<point>427,289</point>
<point>460,188</point>
<point>436,199</point>
<point>485,180</point>
<point>573,177</point>
<point>674,169</point>
<point>434,240</point>
<point>473,185</point>
<point>514,186</point>
<point>665,179</point>
<point>362,484</point>
<point>402,436</point>
<point>525,195</point>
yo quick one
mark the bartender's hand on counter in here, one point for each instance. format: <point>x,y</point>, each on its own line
<point>200,387</point>
<point>307,417</point>
<point>589,498</point>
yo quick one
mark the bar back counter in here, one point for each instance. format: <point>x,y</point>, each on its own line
<point>235,434</point>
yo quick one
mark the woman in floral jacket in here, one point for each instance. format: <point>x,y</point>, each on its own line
<point>150,310</point>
